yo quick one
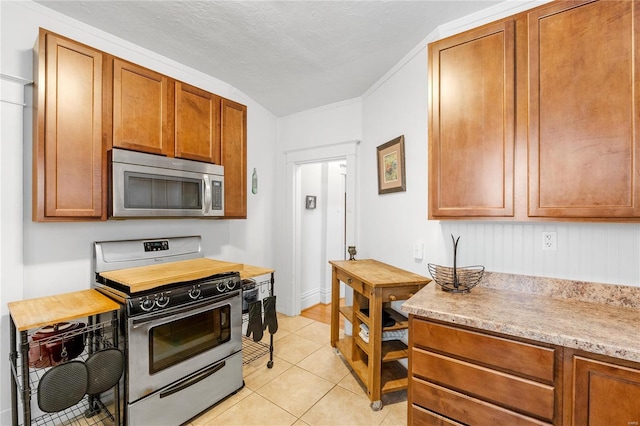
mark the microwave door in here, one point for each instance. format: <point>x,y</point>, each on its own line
<point>141,191</point>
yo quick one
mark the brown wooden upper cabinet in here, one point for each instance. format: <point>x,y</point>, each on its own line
<point>584,134</point>
<point>69,179</point>
<point>197,124</point>
<point>234,158</point>
<point>472,118</point>
<point>571,149</point>
<point>142,109</point>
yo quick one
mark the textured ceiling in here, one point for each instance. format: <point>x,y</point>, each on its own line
<point>289,56</point>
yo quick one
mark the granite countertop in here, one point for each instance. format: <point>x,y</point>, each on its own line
<point>603,328</point>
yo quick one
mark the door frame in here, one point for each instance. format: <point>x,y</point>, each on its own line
<point>294,160</point>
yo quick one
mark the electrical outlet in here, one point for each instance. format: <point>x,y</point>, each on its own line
<point>550,241</point>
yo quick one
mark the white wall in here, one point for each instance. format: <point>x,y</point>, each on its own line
<point>335,212</point>
<point>41,259</point>
<point>312,224</point>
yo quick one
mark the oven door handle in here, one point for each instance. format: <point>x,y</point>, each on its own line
<point>194,310</point>
<point>192,380</point>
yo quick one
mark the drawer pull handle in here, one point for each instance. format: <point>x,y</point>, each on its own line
<point>349,281</point>
<point>392,297</point>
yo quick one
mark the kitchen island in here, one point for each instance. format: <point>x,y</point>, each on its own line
<point>572,347</point>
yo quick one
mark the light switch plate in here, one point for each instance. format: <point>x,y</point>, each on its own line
<point>418,250</point>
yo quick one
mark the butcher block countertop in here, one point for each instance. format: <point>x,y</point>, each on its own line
<point>34,313</point>
<point>378,274</point>
<point>605,327</point>
<point>147,277</point>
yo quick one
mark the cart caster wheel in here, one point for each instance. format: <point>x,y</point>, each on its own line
<point>376,405</point>
<point>269,364</point>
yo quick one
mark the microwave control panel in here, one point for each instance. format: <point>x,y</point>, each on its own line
<point>216,195</point>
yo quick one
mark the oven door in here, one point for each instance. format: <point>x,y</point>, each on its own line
<point>167,346</point>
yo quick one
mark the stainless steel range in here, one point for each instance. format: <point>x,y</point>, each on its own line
<point>183,326</point>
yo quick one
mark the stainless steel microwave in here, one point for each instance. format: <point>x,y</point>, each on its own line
<point>147,185</point>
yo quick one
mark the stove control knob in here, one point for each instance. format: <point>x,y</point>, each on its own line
<point>146,304</point>
<point>221,287</point>
<point>194,292</point>
<point>162,300</point>
<point>231,284</point>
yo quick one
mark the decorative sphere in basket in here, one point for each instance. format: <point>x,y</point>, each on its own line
<point>457,279</point>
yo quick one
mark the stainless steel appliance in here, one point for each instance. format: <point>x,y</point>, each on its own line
<point>183,338</point>
<point>147,185</point>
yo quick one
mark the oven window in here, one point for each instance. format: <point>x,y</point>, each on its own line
<point>148,191</point>
<point>187,337</point>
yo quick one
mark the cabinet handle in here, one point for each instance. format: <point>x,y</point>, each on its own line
<point>349,281</point>
<point>392,297</point>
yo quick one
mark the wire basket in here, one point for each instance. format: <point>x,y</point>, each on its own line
<point>456,280</point>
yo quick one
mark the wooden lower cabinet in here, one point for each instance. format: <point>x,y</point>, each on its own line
<point>462,376</point>
<point>604,393</point>
<point>471,377</point>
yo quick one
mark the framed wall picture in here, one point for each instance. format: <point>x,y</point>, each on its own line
<point>311,202</point>
<point>391,174</point>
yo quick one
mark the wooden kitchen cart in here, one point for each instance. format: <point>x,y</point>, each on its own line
<point>375,285</point>
<point>26,317</point>
<point>252,350</point>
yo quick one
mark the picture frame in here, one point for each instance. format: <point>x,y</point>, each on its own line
<point>310,202</point>
<point>391,171</point>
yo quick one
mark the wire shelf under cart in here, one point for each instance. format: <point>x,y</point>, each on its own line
<point>252,350</point>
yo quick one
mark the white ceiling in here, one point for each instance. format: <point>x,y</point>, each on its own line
<point>289,56</point>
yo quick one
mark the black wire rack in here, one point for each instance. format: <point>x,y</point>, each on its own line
<point>90,410</point>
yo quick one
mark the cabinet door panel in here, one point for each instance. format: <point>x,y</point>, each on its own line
<point>605,394</point>
<point>234,158</point>
<point>584,94</point>
<point>68,153</point>
<point>471,130</point>
<point>197,124</point>
<point>141,112</point>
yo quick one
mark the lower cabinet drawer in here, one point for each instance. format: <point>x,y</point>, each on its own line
<point>523,359</point>
<point>422,417</point>
<point>429,399</point>
<point>508,391</point>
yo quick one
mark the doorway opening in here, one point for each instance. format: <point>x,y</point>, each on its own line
<point>307,254</point>
<point>322,227</point>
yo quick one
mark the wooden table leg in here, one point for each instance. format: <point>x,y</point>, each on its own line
<point>335,307</point>
<point>375,348</point>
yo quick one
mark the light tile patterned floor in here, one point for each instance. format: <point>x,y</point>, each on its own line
<point>309,384</point>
